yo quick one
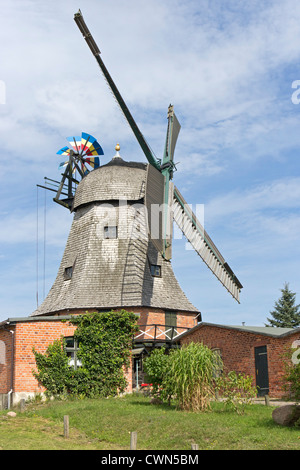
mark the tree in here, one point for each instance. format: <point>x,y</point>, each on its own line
<point>285,314</point>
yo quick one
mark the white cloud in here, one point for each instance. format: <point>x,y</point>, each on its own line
<point>275,195</point>
<point>226,66</point>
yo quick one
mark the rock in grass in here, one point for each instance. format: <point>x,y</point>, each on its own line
<point>286,415</point>
<point>156,401</point>
<point>12,414</point>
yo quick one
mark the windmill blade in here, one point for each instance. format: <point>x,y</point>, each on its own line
<point>63,165</point>
<point>94,162</point>
<point>75,142</point>
<point>172,135</point>
<point>95,149</point>
<point>167,169</point>
<point>64,151</point>
<point>89,145</point>
<point>203,245</point>
<point>84,169</point>
<point>78,18</point>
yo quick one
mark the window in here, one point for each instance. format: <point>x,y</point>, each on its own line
<point>2,352</point>
<point>72,348</point>
<point>110,232</point>
<point>171,324</point>
<point>68,273</point>
<point>155,270</point>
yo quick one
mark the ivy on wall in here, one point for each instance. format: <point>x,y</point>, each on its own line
<point>105,342</point>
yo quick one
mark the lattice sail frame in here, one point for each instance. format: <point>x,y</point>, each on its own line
<point>85,150</point>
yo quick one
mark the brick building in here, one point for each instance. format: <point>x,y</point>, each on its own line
<point>254,351</point>
<point>19,335</point>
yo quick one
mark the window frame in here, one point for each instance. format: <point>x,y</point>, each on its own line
<point>153,267</point>
<point>68,273</point>
<point>109,233</point>
<point>72,350</point>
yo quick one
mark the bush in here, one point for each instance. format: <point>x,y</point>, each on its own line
<point>53,369</point>
<point>291,378</point>
<point>155,367</point>
<point>237,390</point>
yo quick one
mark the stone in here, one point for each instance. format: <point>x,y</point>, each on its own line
<point>12,414</point>
<point>156,401</point>
<point>286,415</point>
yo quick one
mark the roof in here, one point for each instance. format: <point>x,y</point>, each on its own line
<point>118,180</point>
<point>261,330</point>
<point>14,320</point>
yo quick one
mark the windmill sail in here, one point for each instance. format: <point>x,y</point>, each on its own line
<point>167,170</point>
<point>78,18</point>
<point>203,245</point>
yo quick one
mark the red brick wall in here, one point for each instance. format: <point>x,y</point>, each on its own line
<point>147,316</point>
<point>38,334</point>
<point>41,333</point>
<point>5,365</point>
<point>237,350</point>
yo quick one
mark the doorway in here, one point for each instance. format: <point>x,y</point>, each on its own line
<point>261,370</point>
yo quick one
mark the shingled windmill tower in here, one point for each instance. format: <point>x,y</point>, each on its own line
<point>120,244</point>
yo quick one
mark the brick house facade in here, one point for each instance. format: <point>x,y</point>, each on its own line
<point>254,351</point>
<point>19,335</point>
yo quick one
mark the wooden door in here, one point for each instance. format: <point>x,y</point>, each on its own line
<point>261,369</point>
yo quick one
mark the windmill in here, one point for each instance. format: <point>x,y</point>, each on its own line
<point>174,203</point>
<point>119,247</point>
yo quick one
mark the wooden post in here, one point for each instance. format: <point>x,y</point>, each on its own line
<point>22,405</point>
<point>195,447</point>
<point>267,400</point>
<point>133,440</point>
<point>66,426</point>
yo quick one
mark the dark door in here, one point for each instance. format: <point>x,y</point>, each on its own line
<point>261,369</point>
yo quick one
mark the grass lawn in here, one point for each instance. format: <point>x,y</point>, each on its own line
<point>106,424</point>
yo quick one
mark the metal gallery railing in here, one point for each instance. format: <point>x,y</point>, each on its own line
<point>156,332</point>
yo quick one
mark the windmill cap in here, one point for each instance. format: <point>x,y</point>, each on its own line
<point>117,180</point>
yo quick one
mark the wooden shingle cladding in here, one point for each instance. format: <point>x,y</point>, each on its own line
<point>118,180</point>
<point>114,273</point>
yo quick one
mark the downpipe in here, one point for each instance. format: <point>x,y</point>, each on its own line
<point>9,395</point>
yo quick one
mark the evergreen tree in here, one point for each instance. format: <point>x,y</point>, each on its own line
<point>285,314</point>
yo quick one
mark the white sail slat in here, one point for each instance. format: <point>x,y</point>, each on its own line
<point>203,245</point>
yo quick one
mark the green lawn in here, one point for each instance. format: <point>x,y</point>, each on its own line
<point>107,423</point>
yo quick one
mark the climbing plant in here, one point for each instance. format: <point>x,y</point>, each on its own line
<point>105,342</point>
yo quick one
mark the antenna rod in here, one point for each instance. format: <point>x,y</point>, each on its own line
<point>96,52</point>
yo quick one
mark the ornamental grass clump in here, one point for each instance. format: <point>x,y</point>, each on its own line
<point>186,375</point>
<point>191,376</point>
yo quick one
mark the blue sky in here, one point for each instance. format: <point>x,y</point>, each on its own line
<point>228,69</point>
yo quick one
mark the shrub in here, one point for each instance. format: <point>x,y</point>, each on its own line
<point>53,369</point>
<point>237,390</point>
<point>291,379</point>
<point>155,367</point>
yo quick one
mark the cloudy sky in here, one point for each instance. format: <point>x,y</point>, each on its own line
<point>229,67</point>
